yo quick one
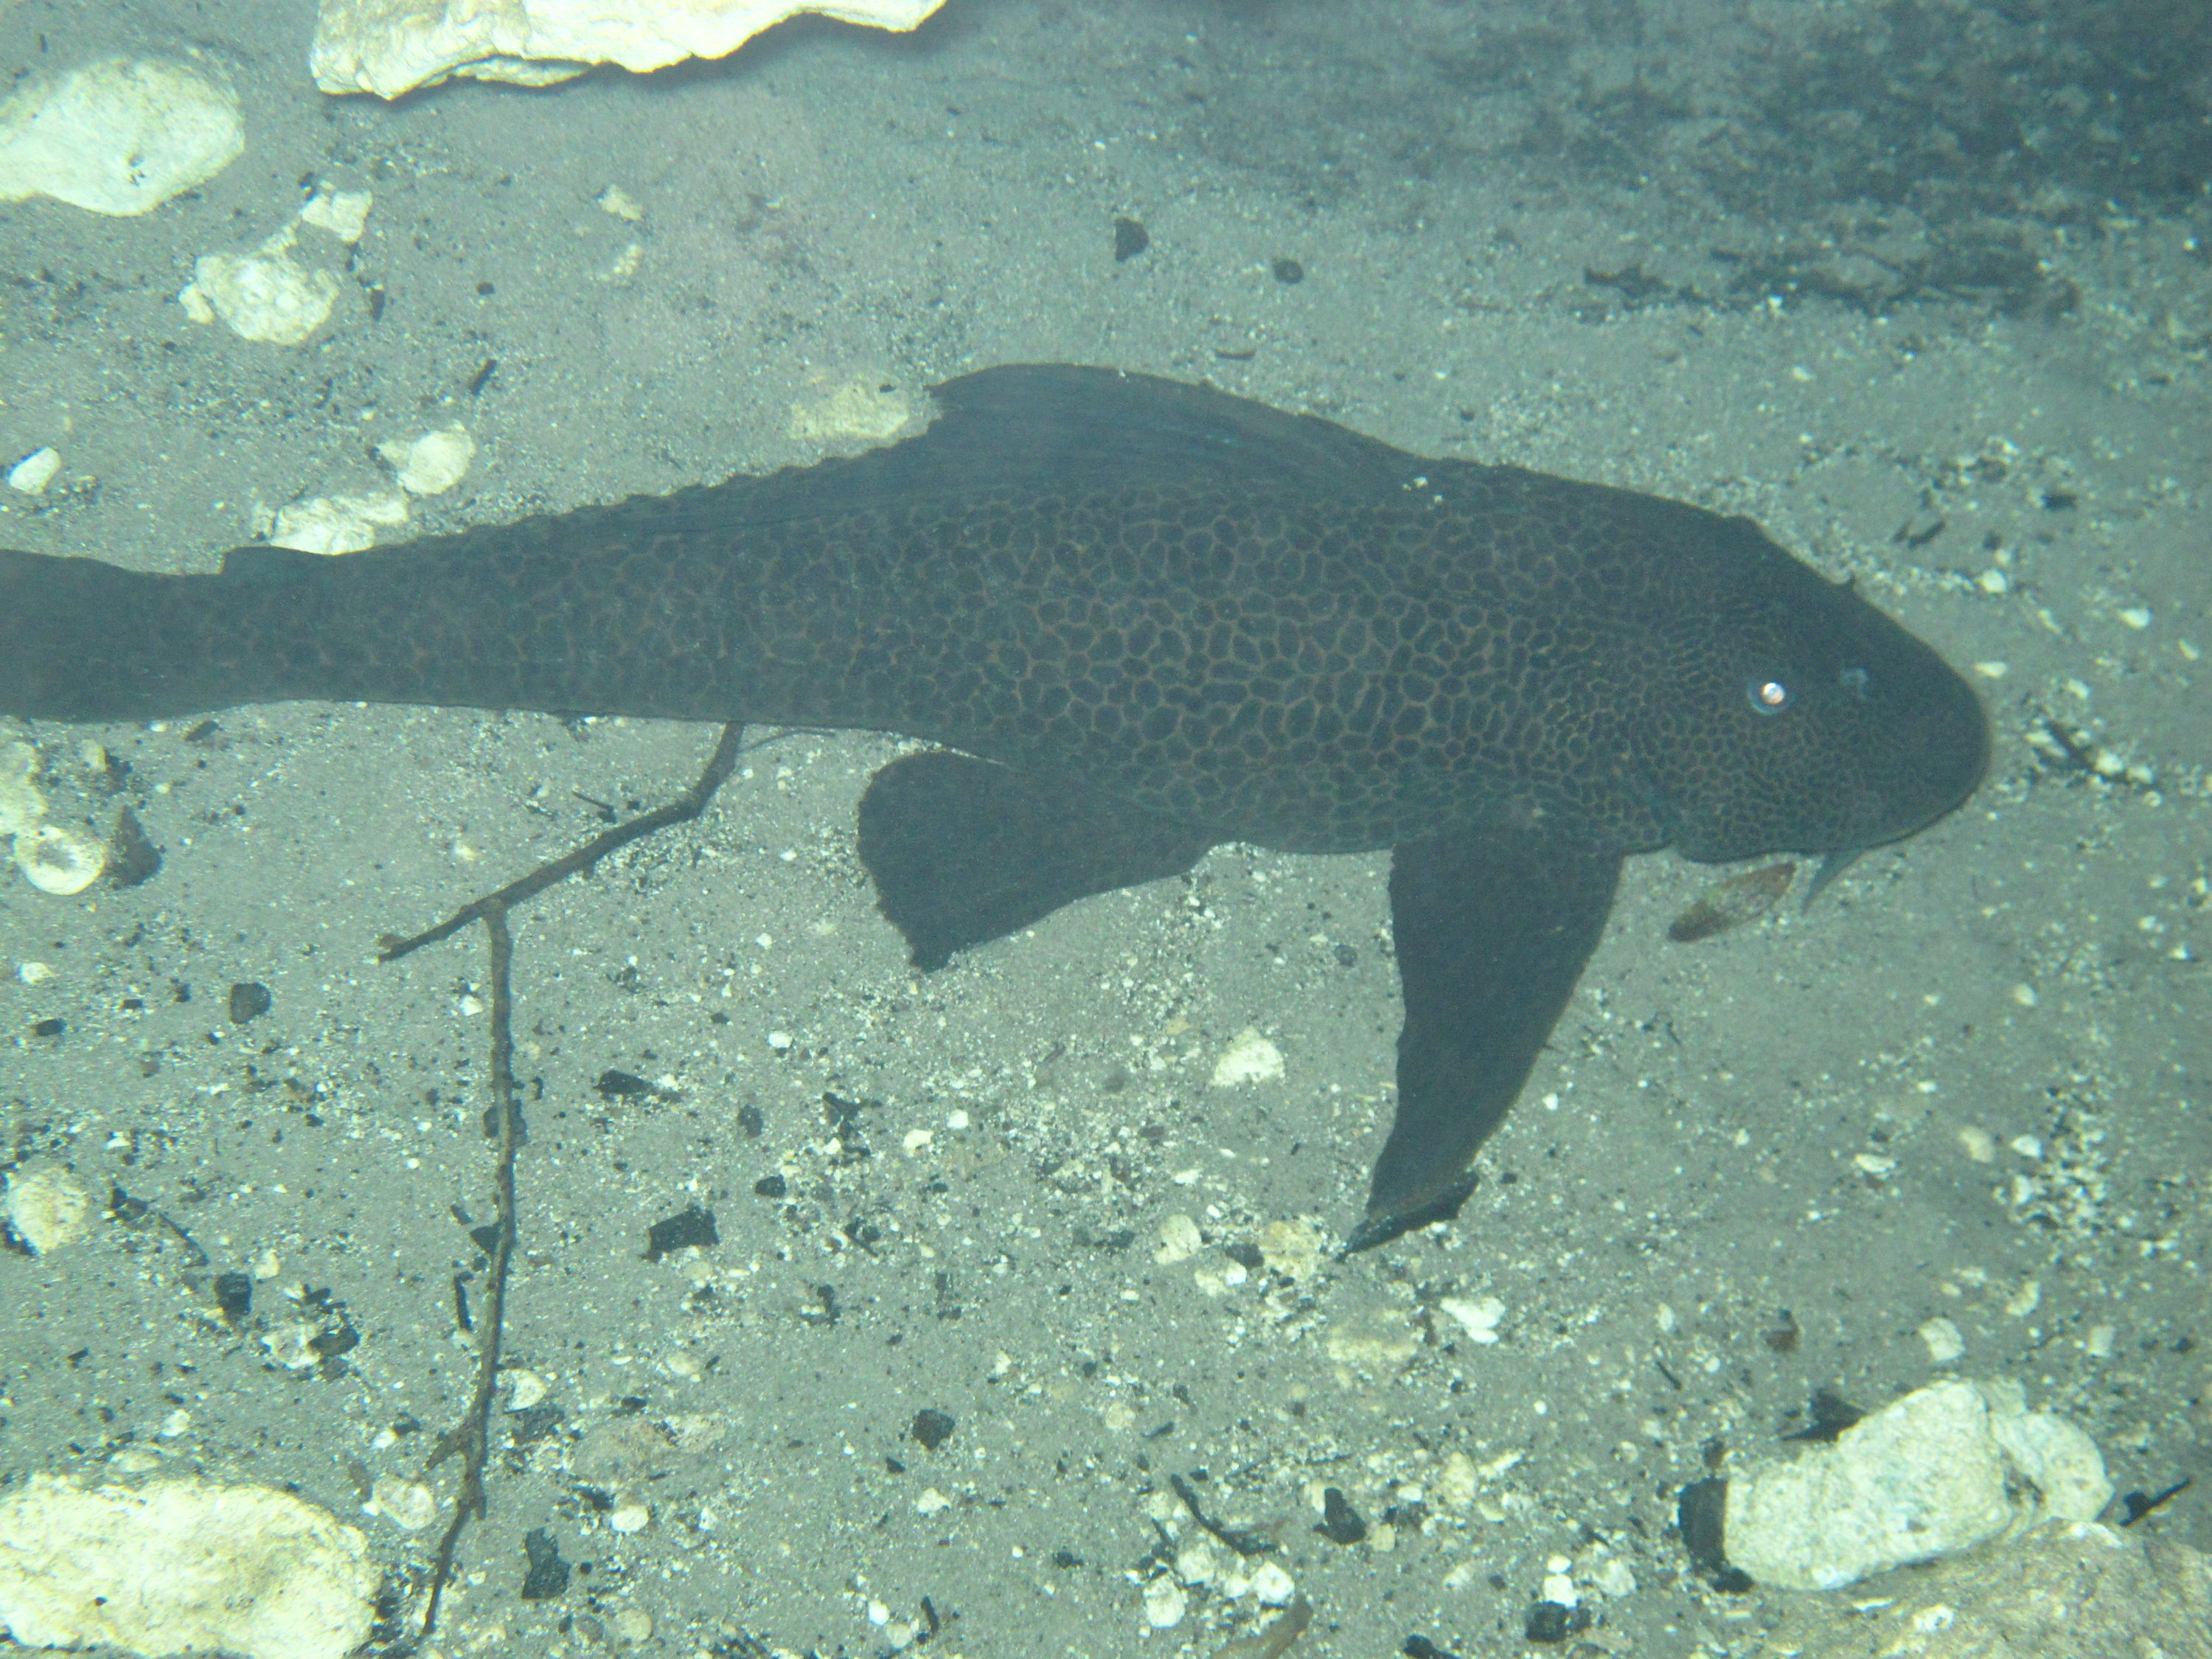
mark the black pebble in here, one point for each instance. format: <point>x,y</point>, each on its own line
<point>1550,1621</point>
<point>1130,239</point>
<point>248,1001</point>
<point>1701,1514</point>
<point>932,1429</point>
<point>1289,271</point>
<point>549,1574</point>
<point>132,858</point>
<point>688,1227</point>
<point>533,1423</point>
<point>773,1185</point>
<point>49,1028</point>
<point>233,1295</point>
<point>621,1085</point>
<point>1419,1647</point>
<point>1339,1521</point>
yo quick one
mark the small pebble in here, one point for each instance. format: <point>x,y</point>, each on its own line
<point>1164,1604</point>
<point>35,472</point>
<point>1943,1340</point>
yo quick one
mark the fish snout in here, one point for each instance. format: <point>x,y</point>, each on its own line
<point>1938,757</point>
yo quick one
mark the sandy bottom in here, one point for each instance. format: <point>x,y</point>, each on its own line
<point>1968,1085</point>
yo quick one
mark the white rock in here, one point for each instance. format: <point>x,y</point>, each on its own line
<point>432,464</point>
<point>1291,1248</point>
<point>1943,1469</point>
<point>408,1504</point>
<point>1250,1058</point>
<point>178,1566</point>
<point>344,213</point>
<point>388,46</point>
<point>47,1206</point>
<point>1477,1315</point>
<point>337,524</point>
<point>118,137</point>
<point>57,861</point>
<point>1178,1240</point>
<point>31,474</point>
<point>1273,1585</point>
<point>1164,1603</point>
<point>267,297</point>
<point>1943,1340</point>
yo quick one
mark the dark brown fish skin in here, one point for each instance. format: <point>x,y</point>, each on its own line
<point>1177,618</point>
<point>1284,666</point>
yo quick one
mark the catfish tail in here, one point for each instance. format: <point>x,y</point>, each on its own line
<point>84,640</point>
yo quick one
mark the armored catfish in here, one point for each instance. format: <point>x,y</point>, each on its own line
<point>1143,619</point>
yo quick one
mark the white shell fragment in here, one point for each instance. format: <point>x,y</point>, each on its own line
<point>1944,1469</point>
<point>337,524</point>
<point>1250,1058</point>
<point>432,464</point>
<point>57,861</point>
<point>408,1504</point>
<point>35,470</point>
<point>117,137</point>
<point>47,1206</point>
<point>344,213</point>
<point>1477,1315</point>
<point>267,297</point>
<point>181,1566</point>
<point>1164,1603</point>
<point>1943,1340</point>
<point>390,46</point>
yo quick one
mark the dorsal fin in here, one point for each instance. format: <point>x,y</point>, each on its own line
<point>1027,424</point>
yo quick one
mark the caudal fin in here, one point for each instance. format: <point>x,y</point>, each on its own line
<point>84,640</point>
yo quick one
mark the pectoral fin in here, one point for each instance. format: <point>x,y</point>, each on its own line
<point>1492,931</point>
<point>964,851</point>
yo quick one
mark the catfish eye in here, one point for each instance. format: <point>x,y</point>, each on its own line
<point>1769,696</point>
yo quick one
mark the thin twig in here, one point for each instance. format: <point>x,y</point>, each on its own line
<point>685,807</point>
<point>471,1439</point>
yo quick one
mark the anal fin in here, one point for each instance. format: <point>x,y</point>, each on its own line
<point>1492,931</point>
<point>964,851</point>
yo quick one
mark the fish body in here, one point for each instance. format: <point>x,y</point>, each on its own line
<point>1145,618</point>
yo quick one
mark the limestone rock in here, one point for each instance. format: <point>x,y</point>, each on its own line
<point>2065,1588</point>
<point>118,137</point>
<point>390,46</point>
<point>181,1566</point>
<point>1943,1470</point>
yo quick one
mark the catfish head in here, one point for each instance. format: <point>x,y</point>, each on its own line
<point>1793,716</point>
